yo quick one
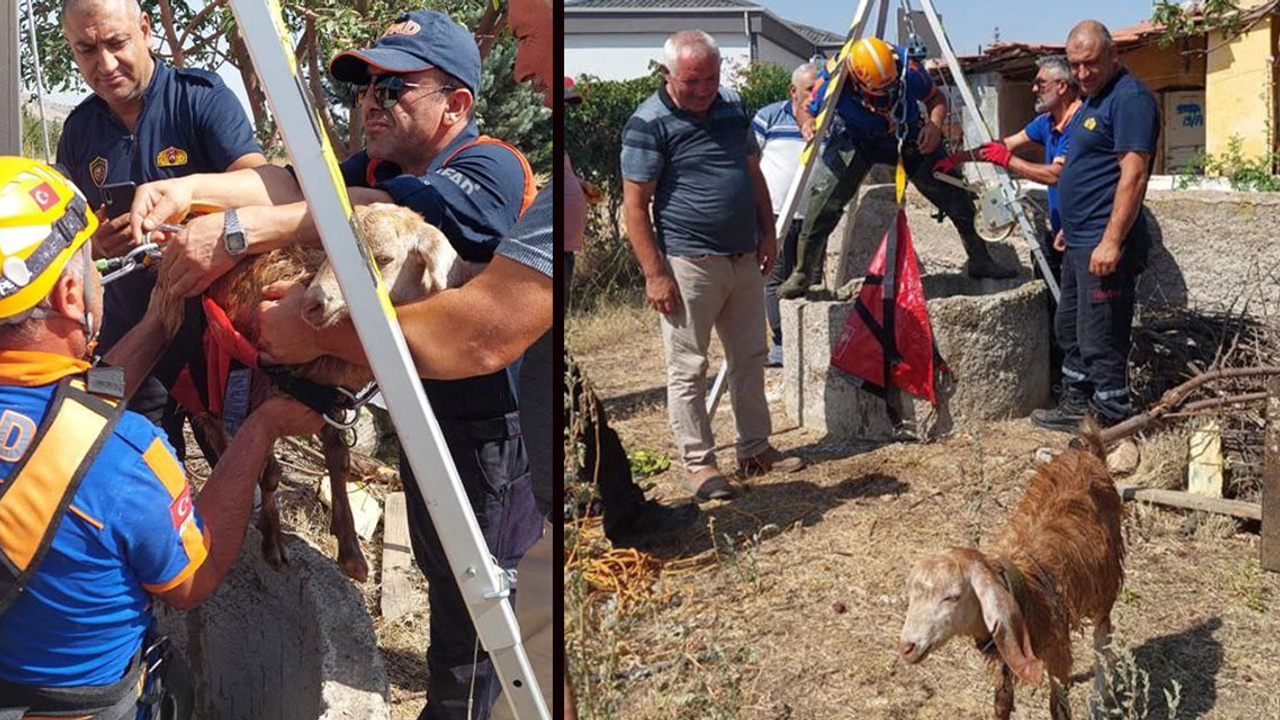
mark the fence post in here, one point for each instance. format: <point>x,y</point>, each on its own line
<point>1271,482</point>
<point>10,80</point>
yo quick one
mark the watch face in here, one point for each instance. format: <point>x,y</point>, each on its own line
<point>236,243</point>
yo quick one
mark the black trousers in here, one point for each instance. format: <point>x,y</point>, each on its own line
<point>494,470</point>
<point>844,165</point>
<point>1094,324</point>
<point>782,267</point>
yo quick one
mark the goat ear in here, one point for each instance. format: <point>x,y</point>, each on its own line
<point>1005,622</point>
<point>438,258</point>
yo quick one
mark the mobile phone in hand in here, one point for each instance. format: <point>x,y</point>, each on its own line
<point>118,197</point>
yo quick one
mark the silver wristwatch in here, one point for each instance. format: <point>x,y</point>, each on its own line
<point>233,237</point>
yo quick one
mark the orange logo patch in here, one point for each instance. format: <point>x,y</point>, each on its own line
<point>181,507</point>
<point>171,157</point>
<point>408,27</point>
<point>98,171</point>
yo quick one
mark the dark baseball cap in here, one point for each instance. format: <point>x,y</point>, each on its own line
<point>416,41</point>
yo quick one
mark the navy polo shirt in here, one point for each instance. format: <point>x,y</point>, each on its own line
<point>867,117</point>
<point>704,202</point>
<point>1123,117</point>
<point>190,123</point>
<point>1056,142</point>
<point>473,196</point>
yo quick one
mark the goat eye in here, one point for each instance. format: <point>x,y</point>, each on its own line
<point>952,598</point>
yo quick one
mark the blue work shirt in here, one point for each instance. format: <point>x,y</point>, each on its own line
<point>131,531</point>
<point>473,192</point>
<point>704,200</point>
<point>529,242</point>
<point>190,123</point>
<point>474,195</point>
<point>1056,142</point>
<point>1123,117</point>
<point>868,118</point>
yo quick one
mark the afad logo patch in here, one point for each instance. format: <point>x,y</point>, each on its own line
<point>171,157</point>
<point>181,507</point>
<point>406,27</point>
<point>98,171</point>
<point>1090,123</point>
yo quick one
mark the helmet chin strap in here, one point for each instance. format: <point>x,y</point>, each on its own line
<point>87,322</point>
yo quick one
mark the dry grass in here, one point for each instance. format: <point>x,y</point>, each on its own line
<point>788,601</point>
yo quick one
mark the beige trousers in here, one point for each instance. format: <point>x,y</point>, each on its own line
<point>724,292</point>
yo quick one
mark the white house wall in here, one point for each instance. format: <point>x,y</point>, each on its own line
<point>622,56</point>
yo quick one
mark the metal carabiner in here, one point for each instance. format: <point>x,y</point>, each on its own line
<point>358,400</point>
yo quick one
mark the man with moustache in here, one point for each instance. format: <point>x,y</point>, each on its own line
<point>1105,237</point>
<point>416,87</point>
<point>145,121</point>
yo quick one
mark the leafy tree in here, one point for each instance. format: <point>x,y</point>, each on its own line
<point>203,34</point>
<point>33,136</point>
<point>1180,21</point>
<point>762,84</point>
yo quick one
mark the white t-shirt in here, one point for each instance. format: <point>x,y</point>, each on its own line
<point>780,143</point>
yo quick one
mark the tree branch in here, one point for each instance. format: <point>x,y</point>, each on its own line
<point>166,19</point>
<point>1175,396</point>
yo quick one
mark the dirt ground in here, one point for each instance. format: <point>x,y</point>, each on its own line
<point>788,601</point>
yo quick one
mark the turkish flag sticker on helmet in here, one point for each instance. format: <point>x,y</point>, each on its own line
<point>180,508</point>
<point>45,196</point>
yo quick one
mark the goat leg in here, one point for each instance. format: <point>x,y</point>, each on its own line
<point>1004,693</point>
<point>269,516</point>
<point>1103,666</point>
<point>1059,706</point>
<point>337,458</point>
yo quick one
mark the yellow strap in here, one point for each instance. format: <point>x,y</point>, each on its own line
<point>900,181</point>
<point>29,506</point>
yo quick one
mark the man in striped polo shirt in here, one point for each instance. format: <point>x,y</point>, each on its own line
<point>781,143</point>
<point>688,152</point>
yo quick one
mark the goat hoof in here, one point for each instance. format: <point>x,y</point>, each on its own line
<point>354,566</point>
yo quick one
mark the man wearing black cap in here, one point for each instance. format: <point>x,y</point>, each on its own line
<point>416,88</point>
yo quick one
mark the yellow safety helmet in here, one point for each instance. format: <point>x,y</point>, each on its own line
<point>44,220</point>
<point>874,65</point>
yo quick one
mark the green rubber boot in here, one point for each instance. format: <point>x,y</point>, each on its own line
<point>808,261</point>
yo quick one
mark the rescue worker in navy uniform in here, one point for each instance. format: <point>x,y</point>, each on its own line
<point>416,88</point>
<point>72,639</point>
<point>1104,235</point>
<point>145,121</point>
<point>865,135</point>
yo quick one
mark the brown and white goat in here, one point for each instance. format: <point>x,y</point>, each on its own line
<point>1058,562</point>
<point>414,260</point>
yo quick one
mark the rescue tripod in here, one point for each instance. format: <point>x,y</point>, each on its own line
<point>485,586</point>
<point>1003,198</point>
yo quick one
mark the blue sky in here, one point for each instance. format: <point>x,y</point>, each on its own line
<point>970,23</point>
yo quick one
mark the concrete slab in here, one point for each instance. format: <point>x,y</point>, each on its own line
<point>291,645</point>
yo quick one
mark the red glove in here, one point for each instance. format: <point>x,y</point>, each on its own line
<point>949,163</point>
<point>996,152</point>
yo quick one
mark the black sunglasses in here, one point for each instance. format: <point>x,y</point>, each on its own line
<point>387,90</point>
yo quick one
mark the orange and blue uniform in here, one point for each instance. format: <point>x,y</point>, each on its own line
<point>131,531</point>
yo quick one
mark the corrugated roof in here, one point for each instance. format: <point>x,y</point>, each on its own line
<point>817,36</point>
<point>662,4</point>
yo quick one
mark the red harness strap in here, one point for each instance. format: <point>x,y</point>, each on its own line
<point>223,345</point>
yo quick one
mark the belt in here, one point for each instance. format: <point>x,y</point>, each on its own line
<point>503,427</point>
<point>116,701</point>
